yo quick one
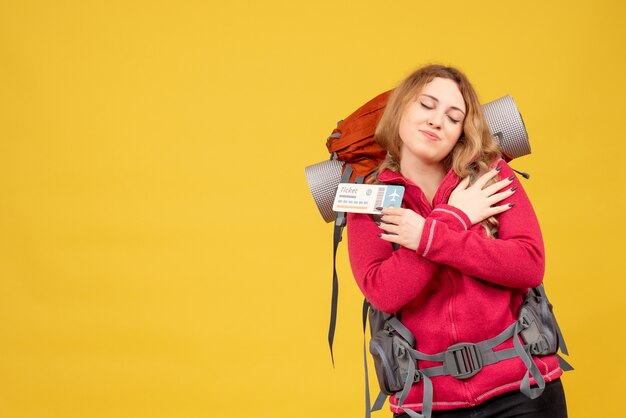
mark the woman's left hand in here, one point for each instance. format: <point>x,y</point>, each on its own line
<point>402,226</point>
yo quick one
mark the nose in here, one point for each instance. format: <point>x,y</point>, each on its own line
<point>435,120</point>
<point>434,123</point>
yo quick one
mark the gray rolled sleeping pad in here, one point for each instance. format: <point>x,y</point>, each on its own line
<point>505,122</point>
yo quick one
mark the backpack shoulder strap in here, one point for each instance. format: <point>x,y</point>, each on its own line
<point>381,398</point>
<point>340,223</point>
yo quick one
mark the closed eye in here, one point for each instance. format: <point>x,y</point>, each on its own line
<point>426,106</point>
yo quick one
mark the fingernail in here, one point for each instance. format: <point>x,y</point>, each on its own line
<point>379,235</point>
<point>498,168</point>
<point>378,223</point>
<point>513,188</point>
<point>379,208</point>
<point>511,178</point>
<point>511,204</point>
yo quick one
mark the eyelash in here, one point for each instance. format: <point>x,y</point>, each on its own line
<point>455,121</point>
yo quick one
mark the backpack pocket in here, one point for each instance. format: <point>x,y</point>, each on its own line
<point>391,355</point>
<point>539,323</point>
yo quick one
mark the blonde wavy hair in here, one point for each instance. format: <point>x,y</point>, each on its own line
<point>476,149</point>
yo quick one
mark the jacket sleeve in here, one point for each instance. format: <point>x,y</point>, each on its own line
<point>389,279</point>
<point>516,259</point>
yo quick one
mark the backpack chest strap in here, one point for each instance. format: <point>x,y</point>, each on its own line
<point>464,360</point>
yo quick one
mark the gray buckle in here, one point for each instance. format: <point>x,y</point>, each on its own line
<point>417,376</point>
<point>463,360</point>
<point>539,347</point>
<point>525,320</point>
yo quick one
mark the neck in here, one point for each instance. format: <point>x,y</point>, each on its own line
<point>420,172</point>
<point>426,176</point>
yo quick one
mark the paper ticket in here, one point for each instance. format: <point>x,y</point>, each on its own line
<point>365,198</point>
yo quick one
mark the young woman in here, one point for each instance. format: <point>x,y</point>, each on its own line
<point>470,246</point>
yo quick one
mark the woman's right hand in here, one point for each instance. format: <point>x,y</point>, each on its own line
<point>477,201</point>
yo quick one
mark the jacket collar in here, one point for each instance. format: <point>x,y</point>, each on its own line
<point>392,177</point>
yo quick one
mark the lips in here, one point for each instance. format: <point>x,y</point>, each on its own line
<point>431,135</point>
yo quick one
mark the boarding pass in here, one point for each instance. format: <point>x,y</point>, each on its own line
<point>365,198</point>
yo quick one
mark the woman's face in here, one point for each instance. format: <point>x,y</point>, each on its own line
<point>431,125</point>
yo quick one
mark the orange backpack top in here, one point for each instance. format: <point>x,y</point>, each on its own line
<point>352,141</point>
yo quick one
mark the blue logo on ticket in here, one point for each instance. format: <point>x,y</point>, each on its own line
<point>365,198</point>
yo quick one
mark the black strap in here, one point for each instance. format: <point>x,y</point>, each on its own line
<point>563,364</point>
<point>366,307</point>
<point>340,222</point>
<point>379,402</point>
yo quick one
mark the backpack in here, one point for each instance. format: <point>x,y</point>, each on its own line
<point>354,156</point>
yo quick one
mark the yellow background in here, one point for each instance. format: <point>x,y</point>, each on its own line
<point>160,254</point>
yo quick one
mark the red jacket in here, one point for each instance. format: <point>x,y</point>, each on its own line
<point>459,286</point>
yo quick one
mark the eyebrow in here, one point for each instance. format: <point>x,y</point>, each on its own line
<point>437,100</point>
